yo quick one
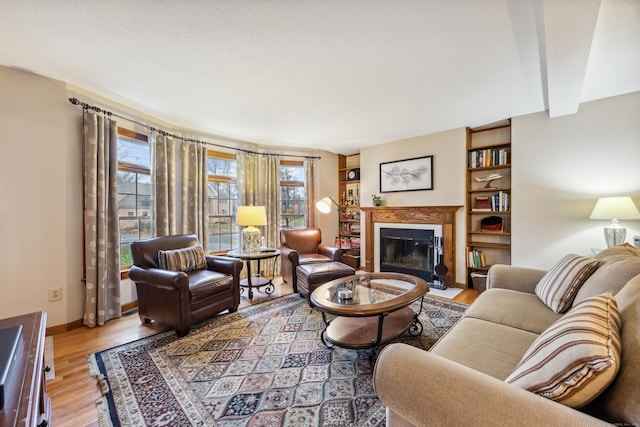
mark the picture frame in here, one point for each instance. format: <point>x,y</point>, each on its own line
<point>414,174</point>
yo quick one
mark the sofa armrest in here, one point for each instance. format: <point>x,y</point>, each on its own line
<point>426,389</point>
<point>331,252</point>
<point>515,278</point>
<point>160,278</point>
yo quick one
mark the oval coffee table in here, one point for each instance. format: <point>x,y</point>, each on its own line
<point>377,313</point>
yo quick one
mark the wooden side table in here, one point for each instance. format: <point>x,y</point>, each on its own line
<point>27,403</point>
<point>257,281</point>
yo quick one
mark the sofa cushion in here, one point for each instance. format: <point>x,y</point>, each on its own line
<point>558,287</point>
<point>619,402</point>
<point>577,357</point>
<point>618,264</point>
<point>205,283</point>
<point>520,310</point>
<point>185,259</point>
<point>488,347</point>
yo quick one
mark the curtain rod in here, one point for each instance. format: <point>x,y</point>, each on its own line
<point>86,106</point>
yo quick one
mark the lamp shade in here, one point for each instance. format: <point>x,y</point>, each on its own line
<point>324,205</point>
<point>615,208</point>
<point>251,215</point>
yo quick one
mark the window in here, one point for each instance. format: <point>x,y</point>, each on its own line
<point>222,169</point>
<point>292,194</point>
<point>134,191</point>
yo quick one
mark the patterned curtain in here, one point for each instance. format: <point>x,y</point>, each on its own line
<point>164,185</point>
<point>270,167</point>
<point>311,196</point>
<point>249,179</point>
<point>195,213</point>
<point>101,239</point>
<point>259,177</point>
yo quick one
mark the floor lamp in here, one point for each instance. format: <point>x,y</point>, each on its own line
<point>324,206</point>
<point>251,217</point>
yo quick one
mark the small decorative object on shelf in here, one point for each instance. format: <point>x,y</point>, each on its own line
<point>488,179</point>
<point>353,174</point>
<point>377,200</point>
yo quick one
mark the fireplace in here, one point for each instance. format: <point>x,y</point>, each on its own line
<point>408,248</point>
<point>438,219</point>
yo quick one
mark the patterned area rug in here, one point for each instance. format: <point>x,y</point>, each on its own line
<point>264,365</point>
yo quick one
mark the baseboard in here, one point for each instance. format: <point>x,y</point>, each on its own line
<point>58,329</point>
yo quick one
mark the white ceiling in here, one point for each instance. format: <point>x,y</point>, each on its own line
<point>329,74</point>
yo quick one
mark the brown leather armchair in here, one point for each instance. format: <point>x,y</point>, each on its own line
<point>177,298</point>
<point>301,246</point>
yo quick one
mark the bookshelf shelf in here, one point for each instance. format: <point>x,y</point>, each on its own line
<point>489,190</point>
<point>488,194</point>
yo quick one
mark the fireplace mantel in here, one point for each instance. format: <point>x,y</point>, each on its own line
<point>443,215</point>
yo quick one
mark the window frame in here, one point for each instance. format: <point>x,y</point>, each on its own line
<point>137,169</point>
<point>233,228</point>
<point>298,184</point>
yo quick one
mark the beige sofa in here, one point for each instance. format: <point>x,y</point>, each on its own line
<point>460,380</point>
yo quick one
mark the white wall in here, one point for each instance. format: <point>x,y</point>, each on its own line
<point>328,186</point>
<point>560,168</point>
<point>40,198</point>
<point>448,150</point>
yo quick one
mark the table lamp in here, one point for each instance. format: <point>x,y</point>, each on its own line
<point>615,208</point>
<point>250,217</point>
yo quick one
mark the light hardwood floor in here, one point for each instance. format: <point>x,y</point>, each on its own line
<point>73,392</point>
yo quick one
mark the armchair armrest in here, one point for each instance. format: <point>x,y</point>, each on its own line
<point>426,389</point>
<point>223,264</point>
<point>330,251</point>
<point>515,278</point>
<point>160,278</point>
<point>291,254</point>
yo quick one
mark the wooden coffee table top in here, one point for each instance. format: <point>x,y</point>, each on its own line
<point>373,294</point>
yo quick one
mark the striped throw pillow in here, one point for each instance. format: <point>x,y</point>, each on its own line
<point>187,259</point>
<point>559,286</point>
<point>577,357</point>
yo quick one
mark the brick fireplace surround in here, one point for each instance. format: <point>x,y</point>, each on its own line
<point>442,215</point>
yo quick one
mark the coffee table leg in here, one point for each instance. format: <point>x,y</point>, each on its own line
<point>324,331</point>
<point>416,326</point>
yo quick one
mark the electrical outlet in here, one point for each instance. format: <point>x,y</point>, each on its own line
<point>55,294</point>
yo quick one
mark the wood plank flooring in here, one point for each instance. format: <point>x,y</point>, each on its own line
<point>73,392</point>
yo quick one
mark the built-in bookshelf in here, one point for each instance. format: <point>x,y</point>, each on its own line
<point>349,216</point>
<point>488,200</point>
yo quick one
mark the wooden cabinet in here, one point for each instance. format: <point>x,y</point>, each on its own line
<point>488,199</point>
<point>27,403</point>
<point>349,216</point>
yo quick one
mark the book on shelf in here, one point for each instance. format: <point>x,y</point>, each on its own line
<point>501,201</point>
<point>486,157</point>
<point>476,258</point>
<point>481,203</point>
<point>355,228</point>
<point>345,243</point>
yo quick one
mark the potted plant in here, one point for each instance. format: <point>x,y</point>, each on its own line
<point>377,200</point>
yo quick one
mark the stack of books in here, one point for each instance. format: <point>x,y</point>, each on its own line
<point>476,258</point>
